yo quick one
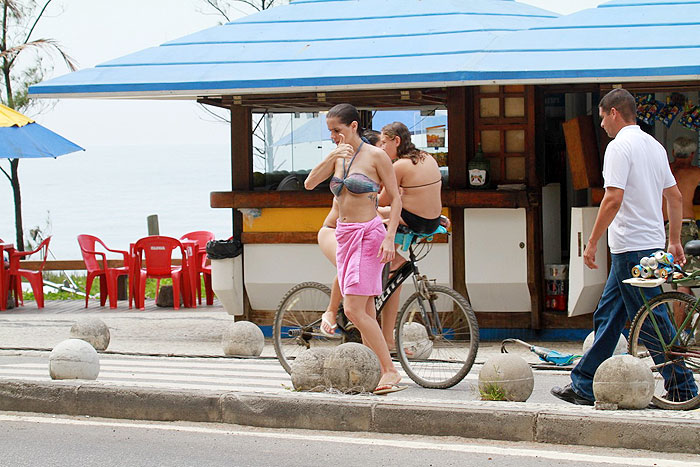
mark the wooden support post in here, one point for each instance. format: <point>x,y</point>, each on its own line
<point>241,166</point>
<point>535,258</point>
<point>241,157</point>
<point>460,103</point>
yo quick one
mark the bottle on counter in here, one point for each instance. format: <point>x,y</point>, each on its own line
<point>478,170</point>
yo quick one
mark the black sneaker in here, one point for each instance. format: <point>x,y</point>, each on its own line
<point>567,394</point>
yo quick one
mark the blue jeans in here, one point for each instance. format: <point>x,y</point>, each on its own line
<point>619,303</point>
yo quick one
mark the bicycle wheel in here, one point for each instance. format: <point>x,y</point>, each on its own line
<point>675,361</point>
<point>437,338</point>
<point>297,321</point>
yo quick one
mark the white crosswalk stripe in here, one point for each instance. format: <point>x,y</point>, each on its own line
<point>173,373</point>
<point>252,375</point>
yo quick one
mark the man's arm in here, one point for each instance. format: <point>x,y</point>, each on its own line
<point>612,200</point>
<point>674,208</point>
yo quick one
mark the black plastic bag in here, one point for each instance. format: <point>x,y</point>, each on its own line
<point>223,249</point>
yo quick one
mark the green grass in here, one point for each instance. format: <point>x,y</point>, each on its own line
<point>59,278</point>
<point>492,392</point>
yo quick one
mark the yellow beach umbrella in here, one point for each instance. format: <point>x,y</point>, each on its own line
<point>10,117</point>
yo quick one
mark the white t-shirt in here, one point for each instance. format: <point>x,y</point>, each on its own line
<point>637,163</point>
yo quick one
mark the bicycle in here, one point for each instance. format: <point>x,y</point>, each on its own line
<point>671,349</point>
<point>437,335</point>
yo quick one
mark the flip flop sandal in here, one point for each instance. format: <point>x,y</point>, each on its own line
<point>388,388</point>
<point>327,323</point>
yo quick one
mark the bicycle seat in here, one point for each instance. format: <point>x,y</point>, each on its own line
<point>692,248</point>
<point>405,236</point>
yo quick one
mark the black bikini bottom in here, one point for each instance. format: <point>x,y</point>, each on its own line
<point>419,224</point>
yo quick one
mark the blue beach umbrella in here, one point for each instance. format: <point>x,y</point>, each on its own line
<point>21,137</point>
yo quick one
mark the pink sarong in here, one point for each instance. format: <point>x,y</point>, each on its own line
<point>359,268</point>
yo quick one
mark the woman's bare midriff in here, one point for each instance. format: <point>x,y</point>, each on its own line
<point>359,207</point>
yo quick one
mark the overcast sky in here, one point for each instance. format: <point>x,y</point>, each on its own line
<point>95,31</point>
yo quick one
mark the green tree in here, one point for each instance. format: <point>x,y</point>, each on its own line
<point>17,24</point>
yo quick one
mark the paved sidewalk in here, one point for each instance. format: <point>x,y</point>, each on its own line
<point>169,365</point>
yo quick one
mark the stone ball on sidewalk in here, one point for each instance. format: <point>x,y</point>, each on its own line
<point>624,380</point>
<point>74,359</point>
<point>92,330</point>
<point>352,368</point>
<point>506,377</point>
<point>243,339</point>
<point>415,341</point>
<point>307,369</point>
<point>620,348</point>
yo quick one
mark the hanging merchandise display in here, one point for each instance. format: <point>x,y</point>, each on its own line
<point>691,117</point>
<point>673,107</point>
<point>648,108</point>
<point>478,170</point>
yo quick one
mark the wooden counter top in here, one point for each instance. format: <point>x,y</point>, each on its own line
<point>311,199</point>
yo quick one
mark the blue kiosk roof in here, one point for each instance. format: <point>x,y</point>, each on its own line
<point>621,40</point>
<point>312,45</point>
<point>326,45</point>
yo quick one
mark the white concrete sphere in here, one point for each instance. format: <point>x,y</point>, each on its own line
<point>307,369</point>
<point>243,338</point>
<point>351,368</point>
<point>620,348</point>
<point>624,380</point>
<point>92,330</point>
<point>508,375</point>
<point>416,342</point>
<point>74,359</point>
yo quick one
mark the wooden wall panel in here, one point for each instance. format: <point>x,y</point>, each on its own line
<point>582,150</point>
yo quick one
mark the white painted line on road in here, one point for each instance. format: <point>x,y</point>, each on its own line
<point>345,439</point>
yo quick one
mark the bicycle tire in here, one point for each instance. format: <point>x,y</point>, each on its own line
<point>677,357</point>
<point>297,320</point>
<point>443,360</point>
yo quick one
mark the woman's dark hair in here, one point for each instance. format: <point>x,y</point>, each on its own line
<point>347,114</point>
<point>406,147</point>
<point>372,136</point>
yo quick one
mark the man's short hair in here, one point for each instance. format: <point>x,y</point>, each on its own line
<point>684,147</point>
<point>623,102</point>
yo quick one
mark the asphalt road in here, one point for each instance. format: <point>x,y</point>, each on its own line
<point>39,440</point>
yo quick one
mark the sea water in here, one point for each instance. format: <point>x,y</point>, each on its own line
<point>109,191</point>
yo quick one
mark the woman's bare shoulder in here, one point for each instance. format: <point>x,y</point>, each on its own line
<point>377,152</point>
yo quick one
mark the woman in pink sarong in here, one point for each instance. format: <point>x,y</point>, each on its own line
<point>364,244</point>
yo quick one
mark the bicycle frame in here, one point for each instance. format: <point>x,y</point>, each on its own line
<point>408,269</point>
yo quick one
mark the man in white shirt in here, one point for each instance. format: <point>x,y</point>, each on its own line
<point>637,180</point>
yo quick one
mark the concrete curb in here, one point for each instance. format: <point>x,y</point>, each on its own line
<point>672,432</point>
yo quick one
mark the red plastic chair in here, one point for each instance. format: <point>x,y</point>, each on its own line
<point>157,251</point>
<point>202,237</point>
<point>108,276</point>
<point>4,277</point>
<point>35,278</point>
